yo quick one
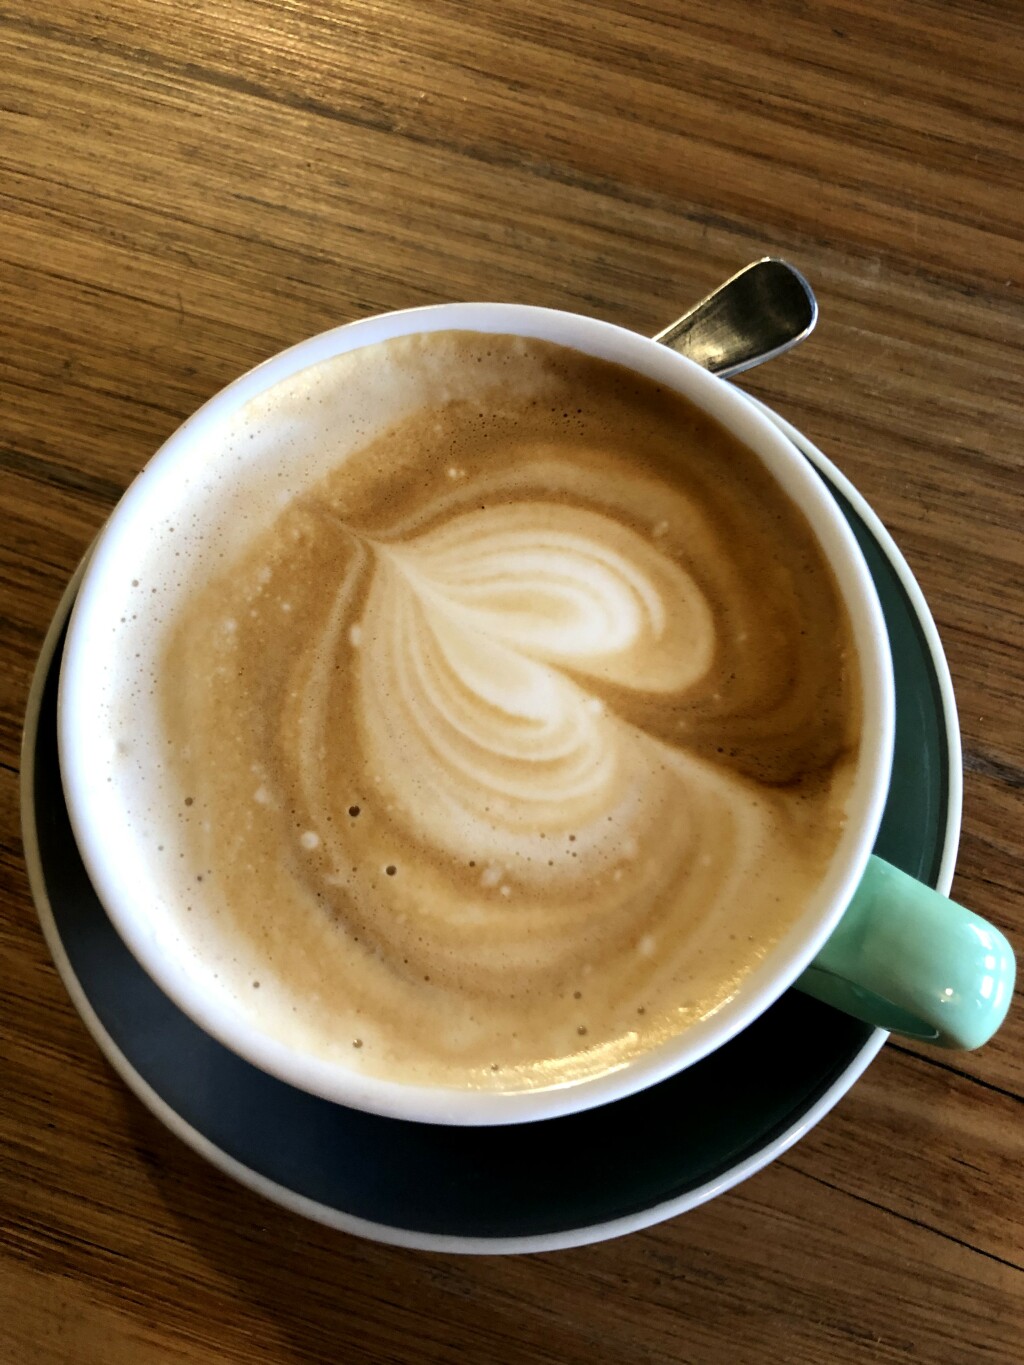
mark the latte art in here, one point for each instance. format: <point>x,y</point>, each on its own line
<point>504,748</point>
<point>487,640</point>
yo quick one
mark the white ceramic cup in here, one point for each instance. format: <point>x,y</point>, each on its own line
<point>127,880</point>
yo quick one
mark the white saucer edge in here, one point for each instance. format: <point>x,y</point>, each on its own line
<point>492,1246</point>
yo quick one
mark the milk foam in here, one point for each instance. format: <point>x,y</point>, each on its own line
<point>492,712</point>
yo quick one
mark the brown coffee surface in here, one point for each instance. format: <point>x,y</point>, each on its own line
<point>505,747</point>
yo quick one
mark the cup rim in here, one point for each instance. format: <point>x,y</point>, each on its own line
<point>114,867</point>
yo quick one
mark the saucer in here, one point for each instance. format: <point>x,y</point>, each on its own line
<point>536,1186</point>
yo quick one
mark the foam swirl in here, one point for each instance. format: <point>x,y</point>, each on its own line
<point>480,637</point>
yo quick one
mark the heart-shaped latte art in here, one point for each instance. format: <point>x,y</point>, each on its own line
<point>485,643</point>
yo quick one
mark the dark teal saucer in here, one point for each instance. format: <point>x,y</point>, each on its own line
<point>535,1186</point>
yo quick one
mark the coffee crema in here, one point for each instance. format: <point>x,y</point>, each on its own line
<point>500,737</point>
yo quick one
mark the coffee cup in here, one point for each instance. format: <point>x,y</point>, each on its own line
<point>479,713</point>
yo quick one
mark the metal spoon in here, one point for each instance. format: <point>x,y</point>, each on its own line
<point>761,312</point>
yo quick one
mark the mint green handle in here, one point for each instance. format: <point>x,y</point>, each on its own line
<point>905,958</point>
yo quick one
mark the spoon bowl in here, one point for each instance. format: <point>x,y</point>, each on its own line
<point>756,315</point>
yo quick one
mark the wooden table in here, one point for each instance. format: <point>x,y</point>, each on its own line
<point>188,188</point>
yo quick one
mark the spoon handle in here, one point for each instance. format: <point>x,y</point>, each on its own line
<point>761,312</point>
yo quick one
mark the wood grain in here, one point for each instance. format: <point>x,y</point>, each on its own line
<point>188,187</point>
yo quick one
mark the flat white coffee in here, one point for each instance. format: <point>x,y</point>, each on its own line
<point>493,713</point>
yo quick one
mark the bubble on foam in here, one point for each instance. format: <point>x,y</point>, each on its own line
<point>309,839</point>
